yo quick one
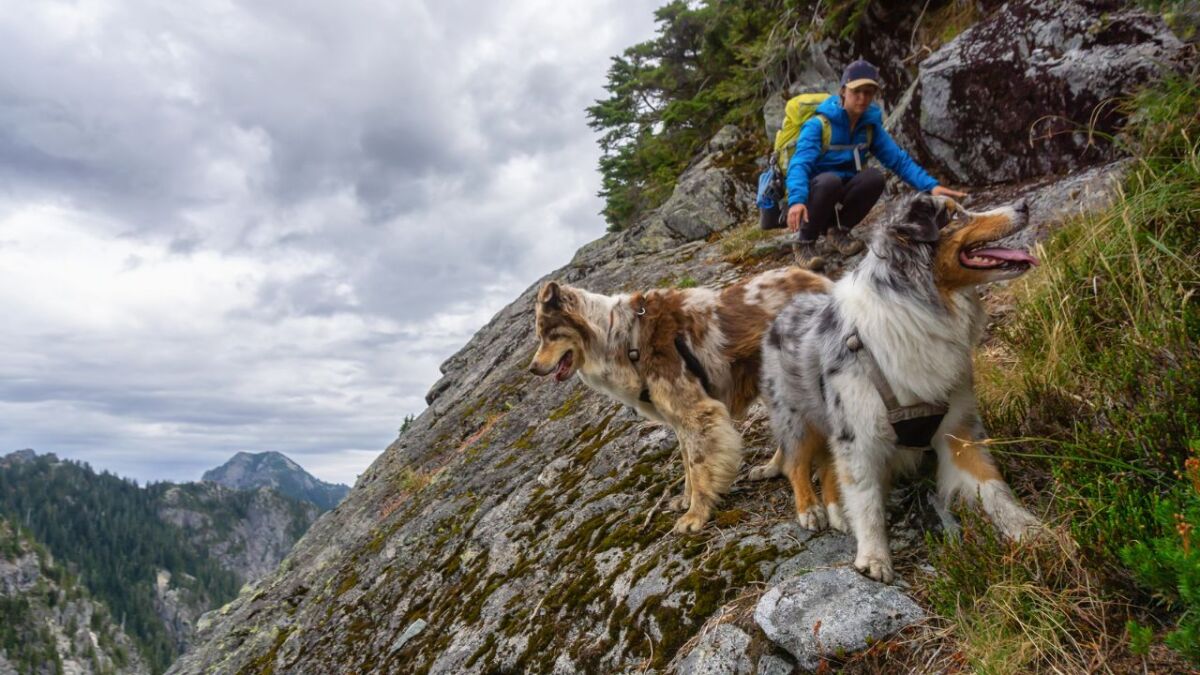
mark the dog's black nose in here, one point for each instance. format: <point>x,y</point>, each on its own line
<point>1022,207</point>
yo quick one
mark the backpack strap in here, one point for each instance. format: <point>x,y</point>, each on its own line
<point>856,148</point>
<point>827,135</point>
<point>826,132</point>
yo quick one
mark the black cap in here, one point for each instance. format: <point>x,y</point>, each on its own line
<point>860,73</point>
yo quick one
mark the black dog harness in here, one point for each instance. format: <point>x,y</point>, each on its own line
<point>690,360</point>
<point>914,425</point>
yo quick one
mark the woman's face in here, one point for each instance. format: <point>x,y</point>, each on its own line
<point>856,101</point>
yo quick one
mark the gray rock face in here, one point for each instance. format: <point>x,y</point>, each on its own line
<point>249,540</point>
<point>832,612</point>
<point>708,196</point>
<point>178,608</point>
<point>19,574</point>
<point>1018,95</point>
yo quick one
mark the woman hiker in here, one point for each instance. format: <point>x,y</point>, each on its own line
<point>832,191</point>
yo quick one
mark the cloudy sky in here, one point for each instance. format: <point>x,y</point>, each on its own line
<point>230,225</point>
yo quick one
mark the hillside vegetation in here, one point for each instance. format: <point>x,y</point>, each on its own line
<point>49,623</point>
<point>1093,385</point>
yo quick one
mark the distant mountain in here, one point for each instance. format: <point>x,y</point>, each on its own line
<point>248,471</point>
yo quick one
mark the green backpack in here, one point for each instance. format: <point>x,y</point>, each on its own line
<point>799,110</point>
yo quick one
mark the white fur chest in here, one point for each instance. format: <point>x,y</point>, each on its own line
<point>924,351</point>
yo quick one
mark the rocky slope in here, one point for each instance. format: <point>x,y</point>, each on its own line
<point>48,623</point>
<point>250,471</point>
<point>519,525</point>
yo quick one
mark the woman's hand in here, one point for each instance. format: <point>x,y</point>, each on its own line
<point>796,215</point>
<point>938,191</point>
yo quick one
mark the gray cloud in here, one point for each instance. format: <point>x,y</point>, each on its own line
<point>263,226</point>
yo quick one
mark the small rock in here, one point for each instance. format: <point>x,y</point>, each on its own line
<point>409,633</point>
<point>770,246</point>
<point>722,651</point>
<point>725,138</point>
<point>553,470</point>
<point>770,664</point>
<point>849,608</point>
<point>826,550</point>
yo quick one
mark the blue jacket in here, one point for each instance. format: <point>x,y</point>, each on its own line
<point>808,161</point>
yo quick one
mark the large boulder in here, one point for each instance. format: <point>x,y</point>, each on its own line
<point>708,197</point>
<point>1030,90</point>
<point>832,612</point>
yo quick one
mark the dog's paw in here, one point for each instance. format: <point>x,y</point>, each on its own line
<point>813,518</point>
<point>1020,525</point>
<point>877,567</point>
<point>763,472</point>
<point>837,518</point>
<point>690,522</point>
<point>679,503</point>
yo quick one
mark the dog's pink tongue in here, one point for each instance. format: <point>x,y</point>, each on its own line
<point>564,367</point>
<point>1007,254</point>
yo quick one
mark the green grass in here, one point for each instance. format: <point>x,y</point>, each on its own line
<point>738,243</point>
<point>1095,378</point>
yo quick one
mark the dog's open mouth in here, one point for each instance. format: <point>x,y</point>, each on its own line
<point>990,257</point>
<point>563,371</point>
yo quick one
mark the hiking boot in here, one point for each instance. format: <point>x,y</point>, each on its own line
<point>806,254</point>
<point>841,241</point>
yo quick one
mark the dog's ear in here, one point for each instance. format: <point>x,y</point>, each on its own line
<point>927,215</point>
<point>551,295</point>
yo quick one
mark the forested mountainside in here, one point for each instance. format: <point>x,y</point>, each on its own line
<point>154,557</point>
<point>49,624</point>
<point>520,526</point>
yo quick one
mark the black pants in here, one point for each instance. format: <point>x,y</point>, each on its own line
<point>856,195</point>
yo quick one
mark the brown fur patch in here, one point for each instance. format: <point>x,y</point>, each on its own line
<point>743,324</point>
<point>799,470</point>
<point>971,457</point>
<point>831,492</point>
<point>813,454</point>
<point>663,320</point>
<point>744,384</point>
